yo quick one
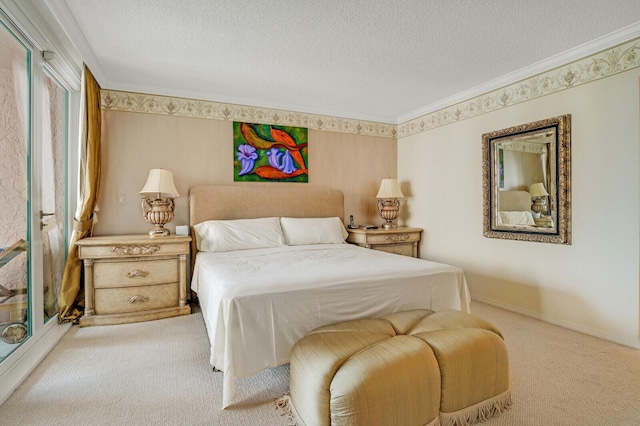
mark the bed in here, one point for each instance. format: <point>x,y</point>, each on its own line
<point>262,293</point>
<point>514,209</point>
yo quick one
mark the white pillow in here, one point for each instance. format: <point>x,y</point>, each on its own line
<point>326,230</point>
<point>239,234</point>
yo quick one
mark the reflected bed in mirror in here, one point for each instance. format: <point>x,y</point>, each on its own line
<point>526,182</point>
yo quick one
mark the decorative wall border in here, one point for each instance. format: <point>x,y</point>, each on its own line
<point>594,67</point>
<point>182,107</point>
<point>615,60</point>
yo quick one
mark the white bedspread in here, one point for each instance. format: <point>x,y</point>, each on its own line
<point>257,303</point>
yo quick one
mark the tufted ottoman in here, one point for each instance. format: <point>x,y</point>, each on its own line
<point>408,368</point>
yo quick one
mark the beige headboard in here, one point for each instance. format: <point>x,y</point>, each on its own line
<point>218,202</point>
<point>514,201</point>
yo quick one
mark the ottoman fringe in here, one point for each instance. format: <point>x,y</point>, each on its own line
<point>434,422</point>
<point>479,412</point>
<point>284,404</point>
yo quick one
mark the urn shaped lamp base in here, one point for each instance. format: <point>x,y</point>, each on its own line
<point>389,210</point>
<point>158,212</point>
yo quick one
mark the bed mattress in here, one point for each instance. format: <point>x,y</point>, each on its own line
<point>257,303</point>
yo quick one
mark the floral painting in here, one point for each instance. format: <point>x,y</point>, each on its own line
<point>269,153</point>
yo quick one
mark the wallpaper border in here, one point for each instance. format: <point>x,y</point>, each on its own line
<point>615,60</point>
<point>620,58</point>
<point>183,107</point>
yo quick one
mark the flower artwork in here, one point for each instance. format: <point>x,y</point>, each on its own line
<point>269,153</point>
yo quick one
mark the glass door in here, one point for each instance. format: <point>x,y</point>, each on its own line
<point>34,120</point>
<point>15,126</point>
<point>53,200</point>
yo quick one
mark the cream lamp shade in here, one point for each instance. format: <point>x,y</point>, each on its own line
<point>390,188</point>
<point>157,201</point>
<point>388,204</point>
<point>160,184</point>
<point>537,190</point>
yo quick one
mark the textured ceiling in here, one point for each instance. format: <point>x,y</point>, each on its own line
<point>375,60</point>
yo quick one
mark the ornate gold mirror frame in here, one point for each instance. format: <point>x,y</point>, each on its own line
<point>526,182</point>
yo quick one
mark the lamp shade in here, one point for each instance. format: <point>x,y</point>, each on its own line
<point>390,188</point>
<point>160,184</point>
<point>537,190</point>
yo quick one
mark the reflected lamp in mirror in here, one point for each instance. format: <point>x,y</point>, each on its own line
<point>388,203</point>
<point>539,196</point>
<point>157,201</point>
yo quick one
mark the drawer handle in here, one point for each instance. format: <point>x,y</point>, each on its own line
<point>135,249</point>
<point>398,237</point>
<point>137,273</point>
<point>135,299</point>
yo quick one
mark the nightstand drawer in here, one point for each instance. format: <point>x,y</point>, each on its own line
<point>134,273</point>
<point>147,247</point>
<point>134,299</point>
<point>395,238</point>
<point>403,249</point>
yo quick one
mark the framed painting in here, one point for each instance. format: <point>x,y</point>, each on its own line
<point>269,153</point>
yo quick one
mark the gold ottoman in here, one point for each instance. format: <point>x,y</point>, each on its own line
<point>474,366</point>
<point>402,369</point>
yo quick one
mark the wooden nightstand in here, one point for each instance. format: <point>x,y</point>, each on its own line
<point>543,221</point>
<point>395,240</point>
<point>132,278</point>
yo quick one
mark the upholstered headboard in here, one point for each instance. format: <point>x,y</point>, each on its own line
<point>219,202</point>
<point>514,201</point>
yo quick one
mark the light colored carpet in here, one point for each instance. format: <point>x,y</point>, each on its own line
<point>560,377</point>
<point>149,373</point>
<point>157,373</point>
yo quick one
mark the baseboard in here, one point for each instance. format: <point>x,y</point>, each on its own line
<point>29,360</point>
<point>565,324</point>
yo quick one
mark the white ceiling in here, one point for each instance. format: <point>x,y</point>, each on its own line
<point>379,60</point>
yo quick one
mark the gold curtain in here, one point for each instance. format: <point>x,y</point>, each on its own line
<point>71,299</point>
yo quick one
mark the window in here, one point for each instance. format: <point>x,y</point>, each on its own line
<point>38,119</point>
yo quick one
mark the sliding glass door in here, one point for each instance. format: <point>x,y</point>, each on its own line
<point>15,136</point>
<point>34,120</point>
<point>53,200</point>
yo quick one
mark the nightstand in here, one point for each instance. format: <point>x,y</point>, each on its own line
<point>543,221</point>
<point>132,278</point>
<point>399,240</point>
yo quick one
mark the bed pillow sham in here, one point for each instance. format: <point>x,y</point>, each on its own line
<point>324,230</point>
<point>239,234</point>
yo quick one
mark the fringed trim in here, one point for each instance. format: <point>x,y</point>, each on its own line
<point>479,412</point>
<point>434,422</point>
<point>284,404</point>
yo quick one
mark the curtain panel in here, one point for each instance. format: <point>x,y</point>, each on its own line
<point>71,298</point>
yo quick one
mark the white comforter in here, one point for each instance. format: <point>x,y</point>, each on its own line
<point>257,303</point>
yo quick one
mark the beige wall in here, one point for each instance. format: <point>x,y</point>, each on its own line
<point>200,151</point>
<point>591,285</point>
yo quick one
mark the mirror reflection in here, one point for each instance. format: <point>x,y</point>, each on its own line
<point>526,182</point>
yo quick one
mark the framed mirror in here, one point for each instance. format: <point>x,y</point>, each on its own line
<point>526,182</point>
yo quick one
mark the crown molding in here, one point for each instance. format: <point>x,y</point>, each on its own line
<point>31,18</point>
<point>184,107</point>
<point>608,41</point>
<point>543,78</point>
<point>606,63</point>
<point>61,12</point>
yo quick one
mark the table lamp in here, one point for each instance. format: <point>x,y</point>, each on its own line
<point>157,201</point>
<point>538,195</point>
<point>388,203</point>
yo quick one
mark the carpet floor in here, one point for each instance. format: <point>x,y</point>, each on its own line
<point>158,373</point>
